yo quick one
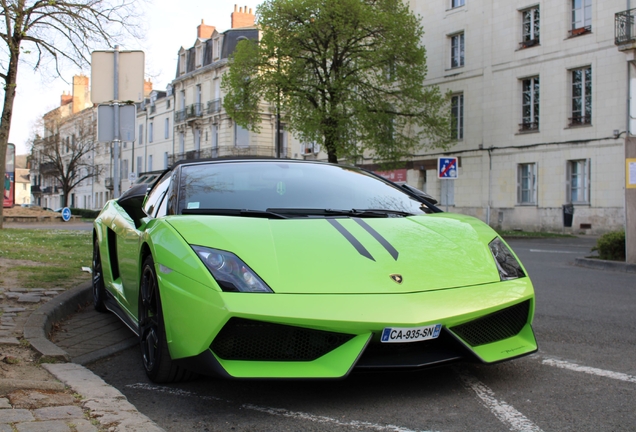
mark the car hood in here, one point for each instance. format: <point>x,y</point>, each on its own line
<point>350,255</point>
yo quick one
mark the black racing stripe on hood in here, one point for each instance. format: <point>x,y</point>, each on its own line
<point>354,241</point>
<point>376,235</point>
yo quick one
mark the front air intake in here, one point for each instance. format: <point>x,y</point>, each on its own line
<point>494,327</point>
<point>242,339</point>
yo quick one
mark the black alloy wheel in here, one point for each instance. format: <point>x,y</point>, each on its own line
<point>99,292</point>
<point>152,334</point>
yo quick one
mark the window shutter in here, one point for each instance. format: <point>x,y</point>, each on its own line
<point>519,175</point>
<point>588,180</point>
<point>568,178</point>
<point>535,184</point>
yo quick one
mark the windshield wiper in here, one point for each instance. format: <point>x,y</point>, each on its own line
<point>370,213</point>
<point>234,212</point>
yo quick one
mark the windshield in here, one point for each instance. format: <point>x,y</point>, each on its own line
<point>280,185</point>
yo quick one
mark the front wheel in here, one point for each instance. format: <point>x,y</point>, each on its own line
<point>152,333</point>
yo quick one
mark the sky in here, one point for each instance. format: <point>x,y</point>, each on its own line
<point>170,25</point>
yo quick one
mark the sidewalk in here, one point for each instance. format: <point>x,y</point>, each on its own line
<point>38,390</point>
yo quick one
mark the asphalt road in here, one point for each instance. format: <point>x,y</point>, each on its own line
<point>582,379</point>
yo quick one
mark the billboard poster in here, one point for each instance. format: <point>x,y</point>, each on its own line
<point>8,188</point>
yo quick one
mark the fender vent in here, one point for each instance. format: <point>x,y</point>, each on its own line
<point>242,339</point>
<point>494,327</point>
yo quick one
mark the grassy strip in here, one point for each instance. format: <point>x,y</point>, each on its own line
<point>47,258</point>
<point>532,234</point>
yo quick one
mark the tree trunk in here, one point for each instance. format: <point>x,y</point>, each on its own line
<point>7,111</point>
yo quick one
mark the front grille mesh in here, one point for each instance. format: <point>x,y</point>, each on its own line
<point>242,339</point>
<point>494,327</point>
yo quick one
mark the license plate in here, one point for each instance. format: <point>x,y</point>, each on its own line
<point>412,334</point>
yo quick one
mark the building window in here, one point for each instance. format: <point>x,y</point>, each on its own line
<point>581,97</point>
<point>531,27</point>
<point>141,134</point>
<point>123,172</point>
<point>215,136</point>
<point>581,17</point>
<point>167,104</point>
<point>457,50</point>
<point>527,183</point>
<point>181,142</point>
<point>149,162</point>
<point>457,117</point>
<point>197,139</point>
<point>457,3</point>
<point>530,104</point>
<point>578,181</point>
<point>139,163</point>
<point>166,132</point>
<point>309,148</point>
<point>150,132</point>
<point>241,136</point>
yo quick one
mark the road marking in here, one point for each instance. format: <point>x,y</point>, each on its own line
<point>278,411</point>
<point>589,370</point>
<point>554,251</point>
<point>503,411</point>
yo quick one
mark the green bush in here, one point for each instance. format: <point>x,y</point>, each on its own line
<point>611,246</point>
<point>85,213</point>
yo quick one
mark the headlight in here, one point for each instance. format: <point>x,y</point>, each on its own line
<point>230,272</point>
<point>508,266</point>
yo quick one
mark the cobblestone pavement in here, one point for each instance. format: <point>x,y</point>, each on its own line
<point>89,335</point>
<point>61,397</point>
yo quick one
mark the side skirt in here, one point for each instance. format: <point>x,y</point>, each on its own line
<point>112,305</point>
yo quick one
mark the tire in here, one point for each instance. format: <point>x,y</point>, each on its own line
<point>152,333</point>
<point>99,292</point>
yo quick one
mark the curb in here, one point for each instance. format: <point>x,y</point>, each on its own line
<point>107,404</point>
<point>605,265</point>
<point>39,323</point>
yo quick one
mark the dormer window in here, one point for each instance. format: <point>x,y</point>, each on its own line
<point>216,49</point>
<point>199,56</point>
<point>182,63</point>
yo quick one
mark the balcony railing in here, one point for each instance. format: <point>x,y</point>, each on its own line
<point>225,151</point>
<point>624,30</point>
<point>35,189</point>
<point>180,116</point>
<point>194,110</point>
<point>214,106</point>
<point>580,30</point>
<point>529,126</point>
<point>108,182</point>
<point>580,120</point>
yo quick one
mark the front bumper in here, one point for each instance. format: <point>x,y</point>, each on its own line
<point>197,316</point>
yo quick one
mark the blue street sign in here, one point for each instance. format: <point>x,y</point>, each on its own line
<point>447,168</point>
<point>66,214</point>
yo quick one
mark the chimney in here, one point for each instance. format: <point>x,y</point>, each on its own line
<point>81,93</point>
<point>205,31</point>
<point>242,18</point>
<point>65,99</point>
<point>147,88</point>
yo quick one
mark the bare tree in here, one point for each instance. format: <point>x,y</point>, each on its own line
<point>65,153</point>
<point>58,30</point>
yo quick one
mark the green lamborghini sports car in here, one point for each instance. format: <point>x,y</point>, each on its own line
<point>270,268</point>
